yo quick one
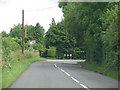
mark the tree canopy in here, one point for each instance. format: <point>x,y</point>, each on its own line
<point>95,29</point>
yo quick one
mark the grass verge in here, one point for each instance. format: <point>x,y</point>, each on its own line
<point>100,68</point>
<point>10,75</point>
<point>0,79</point>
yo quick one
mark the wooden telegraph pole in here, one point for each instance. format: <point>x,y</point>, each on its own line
<point>22,31</point>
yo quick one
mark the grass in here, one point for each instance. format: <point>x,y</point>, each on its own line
<point>10,75</point>
<point>100,68</point>
<point>0,79</point>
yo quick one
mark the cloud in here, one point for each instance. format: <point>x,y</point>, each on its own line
<point>35,11</point>
<point>3,1</point>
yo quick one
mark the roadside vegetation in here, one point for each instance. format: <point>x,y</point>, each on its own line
<point>13,61</point>
<point>100,68</point>
<point>18,65</point>
<point>94,28</point>
<point>88,31</point>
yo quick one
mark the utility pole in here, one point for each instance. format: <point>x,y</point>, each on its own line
<point>22,31</point>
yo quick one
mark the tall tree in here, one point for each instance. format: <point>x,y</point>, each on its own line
<point>38,34</point>
<point>81,21</point>
<point>110,36</point>
<point>57,37</point>
<point>16,31</point>
<point>4,34</point>
<point>29,32</point>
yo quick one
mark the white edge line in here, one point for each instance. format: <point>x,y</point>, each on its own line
<point>75,79</point>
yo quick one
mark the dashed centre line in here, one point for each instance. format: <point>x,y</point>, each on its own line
<point>83,85</point>
<point>71,77</point>
<point>67,73</point>
<point>74,79</point>
<point>55,65</point>
<point>62,70</point>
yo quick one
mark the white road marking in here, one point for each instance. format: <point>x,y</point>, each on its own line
<point>67,73</point>
<point>55,65</point>
<point>62,70</point>
<point>72,77</point>
<point>83,86</point>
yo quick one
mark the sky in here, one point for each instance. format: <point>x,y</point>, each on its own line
<point>35,11</point>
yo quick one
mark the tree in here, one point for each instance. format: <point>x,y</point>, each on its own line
<point>56,37</point>
<point>4,34</point>
<point>29,31</point>
<point>110,36</point>
<point>38,34</point>
<point>62,5</point>
<point>53,21</point>
<point>16,31</point>
<point>81,20</point>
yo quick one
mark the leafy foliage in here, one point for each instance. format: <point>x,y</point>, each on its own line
<point>95,29</point>
<point>51,52</point>
<point>38,46</point>
<point>9,44</point>
<point>85,27</point>
<point>57,37</point>
<point>38,34</point>
<point>16,31</point>
<point>4,34</point>
<point>110,36</point>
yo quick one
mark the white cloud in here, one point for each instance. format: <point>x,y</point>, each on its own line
<point>35,11</point>
<point>3,1</point>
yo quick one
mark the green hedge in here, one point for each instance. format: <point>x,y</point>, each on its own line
<point>51,52</point>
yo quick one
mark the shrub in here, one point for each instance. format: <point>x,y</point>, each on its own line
<point>17,55</point>
<point>51,52</point>
<point>8,45</point>
<point>30,54</point>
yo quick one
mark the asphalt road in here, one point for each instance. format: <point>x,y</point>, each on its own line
<point>62,74</point>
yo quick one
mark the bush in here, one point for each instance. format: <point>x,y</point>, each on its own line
<point>30,54</point>
<point>51,52</point>
<point>8,45</point>
<point>17,56</point>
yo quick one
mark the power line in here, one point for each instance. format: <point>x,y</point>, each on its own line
<point>41,9</point>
